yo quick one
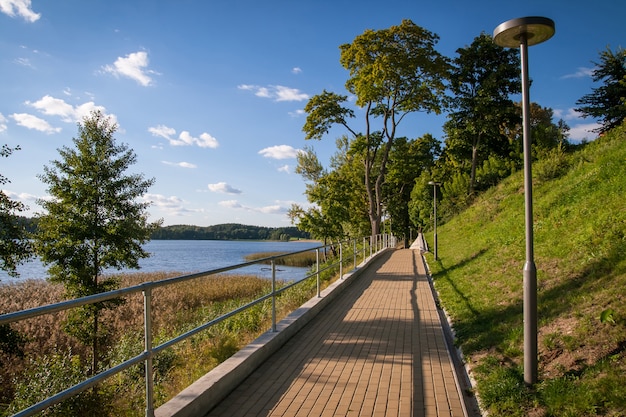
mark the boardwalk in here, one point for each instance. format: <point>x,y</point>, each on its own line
<point>378,351</point>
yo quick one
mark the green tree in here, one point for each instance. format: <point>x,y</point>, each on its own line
<point>607,102</point>
<point>483,78</point>
<point>93,221</point>
<point>544,133</point>
<point>407,161</point>
<point>15,247</point>
<point>393,72</point>
<point>323,220</point>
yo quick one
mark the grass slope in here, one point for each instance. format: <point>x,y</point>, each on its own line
<point>580,253</point>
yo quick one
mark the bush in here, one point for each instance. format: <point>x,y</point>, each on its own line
<point>51,374</point>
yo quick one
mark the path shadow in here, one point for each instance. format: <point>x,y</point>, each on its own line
<point>331,339</point>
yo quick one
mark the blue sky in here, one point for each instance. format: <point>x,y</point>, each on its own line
<point>210,93</point>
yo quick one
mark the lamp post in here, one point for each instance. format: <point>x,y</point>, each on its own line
<point>521,33</point>
<point>435,185</point>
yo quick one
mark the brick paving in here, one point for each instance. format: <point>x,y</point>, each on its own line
<point>378,350</point>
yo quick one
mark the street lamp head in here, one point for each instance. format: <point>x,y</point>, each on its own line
<point>433,183</point>
<point>536,30</point>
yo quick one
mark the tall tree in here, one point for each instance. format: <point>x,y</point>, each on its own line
<point>407,161</point>
<point>393,72</point>
<point>607,102</point>
<point>545,134</point>
<point>15,247</point>
<point>93,221</point>
<point>484,76</point>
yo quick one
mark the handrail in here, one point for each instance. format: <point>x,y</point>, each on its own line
<point>376,243</point>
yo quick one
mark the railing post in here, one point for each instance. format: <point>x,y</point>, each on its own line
<point>317,272</point>
<point>273,296</point>
<point>371,238</point>
<point>147,313</point>
<point>354,252</point>
<point>340,260</point>
<point>364,249</point>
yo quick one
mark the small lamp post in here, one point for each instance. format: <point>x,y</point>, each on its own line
<point>435,185</point>
<point>521,33</point>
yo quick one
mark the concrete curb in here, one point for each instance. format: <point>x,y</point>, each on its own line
<point>204,394</point>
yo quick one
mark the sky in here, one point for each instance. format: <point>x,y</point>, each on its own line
<point>209,94</point>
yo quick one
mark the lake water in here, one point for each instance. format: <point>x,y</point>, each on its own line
<point>186,256</point>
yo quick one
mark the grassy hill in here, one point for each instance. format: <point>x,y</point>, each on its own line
<point>580,253</point>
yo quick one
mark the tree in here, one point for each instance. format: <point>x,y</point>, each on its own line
<point>93,221</point>
<point>328,194</point>
<point>483,78</point>
<point>15,247</point>
<point>607,102</point>
<point>407,161</point>
<point>393,72</point>
<point>545,134</point>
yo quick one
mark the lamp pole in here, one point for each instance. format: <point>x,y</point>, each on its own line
<point>435,185</point>
<point>521,33</point>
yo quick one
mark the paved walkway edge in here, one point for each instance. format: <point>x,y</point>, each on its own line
<point>210,389</point>
<point>464,382</point>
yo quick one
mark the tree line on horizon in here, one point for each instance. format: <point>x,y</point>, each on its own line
<point>225,231</point>
<point>228,231</point>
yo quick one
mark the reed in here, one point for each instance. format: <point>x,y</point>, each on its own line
<point>177,308</point>
<point>303,259</point>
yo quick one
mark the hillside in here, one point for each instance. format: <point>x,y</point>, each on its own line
<point>580,253</point>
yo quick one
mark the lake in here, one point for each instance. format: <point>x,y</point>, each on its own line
<point>186,256</point>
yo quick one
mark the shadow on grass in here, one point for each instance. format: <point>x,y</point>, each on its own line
<point>498,326</point>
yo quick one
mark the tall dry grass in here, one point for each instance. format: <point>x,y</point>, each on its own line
<point>176,308</point>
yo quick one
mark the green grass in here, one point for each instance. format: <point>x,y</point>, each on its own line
<point>580,253</point>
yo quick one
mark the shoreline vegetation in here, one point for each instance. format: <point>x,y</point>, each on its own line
<point>301,260</point>
<point>47,360</point>
<point>226,231</point>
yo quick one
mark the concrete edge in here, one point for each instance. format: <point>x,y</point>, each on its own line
<point>465,383</point>
<point>205,393</point>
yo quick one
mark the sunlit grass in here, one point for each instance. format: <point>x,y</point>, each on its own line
<point>580,253</point>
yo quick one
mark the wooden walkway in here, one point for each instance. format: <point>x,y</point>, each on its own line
<point>378,350</point>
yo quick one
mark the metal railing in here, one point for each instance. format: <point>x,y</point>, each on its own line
<point>374,244</point>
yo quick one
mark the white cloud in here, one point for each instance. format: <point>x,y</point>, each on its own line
<point>583,131</point>
<point>297,113</point>
<point>274,209</point>
<point>52,106</point>
<point>207,141</point>
<point>289,94</point>
<point>3,123</point>
<point>181,164</point>
<point>33,122</point>
<point>275,92</point>
<point>25,62</point>
<point>184,139</point>
<point>21,8</point>
<point>133,66</point>
<point>230,204</point>
<point>278,208</point>
<point>172,205</point>
<point>296,70</point>
<point>569,114</point>
<point>581,72</point>
<point>280,152</point>
<point>55,107</point>
<point>222,187</point>
<point>162,131</point>
<point>23,197</point>
<point>284,168</point>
